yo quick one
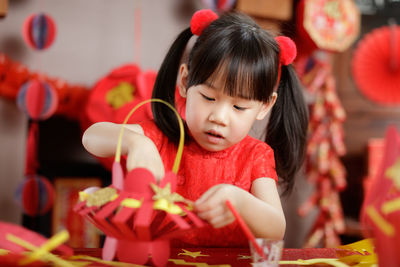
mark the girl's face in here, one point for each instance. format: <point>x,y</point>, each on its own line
<point>216,120</point>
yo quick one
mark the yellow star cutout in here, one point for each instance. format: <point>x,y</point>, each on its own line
<point>393,172</point>
<point>193,254</point>
<point>165,193</point>
<point>101,197</point>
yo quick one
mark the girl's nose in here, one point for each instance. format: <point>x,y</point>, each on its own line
<point>219,115</point>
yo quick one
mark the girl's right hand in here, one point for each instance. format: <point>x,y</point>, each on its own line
<point>144,154</point>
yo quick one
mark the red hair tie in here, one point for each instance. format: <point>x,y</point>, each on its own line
<point>287,49</point>
<point>201,19</point>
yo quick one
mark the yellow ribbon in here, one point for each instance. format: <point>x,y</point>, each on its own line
<point>43,251</point>
<point>379,221</point>
<point>165,205</point>
<point>391,206</point>
<point>366,248</point>
<point>131,203</point>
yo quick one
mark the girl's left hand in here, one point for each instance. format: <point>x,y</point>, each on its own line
<point>211,205</point>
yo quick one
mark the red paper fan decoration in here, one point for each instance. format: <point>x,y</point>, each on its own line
<point>39,31</point>
<point>116,94</point>
<point>331,25</point>
<point>375,65</point>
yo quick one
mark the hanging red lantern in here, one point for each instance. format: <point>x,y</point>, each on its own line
<point>36,195</point>
<point>39,31</point>
<point>331,25</point>
<point>37,99</point>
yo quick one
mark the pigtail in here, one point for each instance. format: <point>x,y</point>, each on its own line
<point>165,86</point>
<point>287,128</point>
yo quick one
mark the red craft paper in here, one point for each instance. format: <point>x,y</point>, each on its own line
<point>381,191</point>
<point>29,236</point>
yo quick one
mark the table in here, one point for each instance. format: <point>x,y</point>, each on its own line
<point>227,256</point>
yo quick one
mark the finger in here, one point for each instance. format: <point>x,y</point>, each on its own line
<point>212,213</point>
<point>213,200</point>
<point>207,195</point>
<point>222,220</point>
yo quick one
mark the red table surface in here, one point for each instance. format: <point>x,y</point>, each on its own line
<point>230,256</point>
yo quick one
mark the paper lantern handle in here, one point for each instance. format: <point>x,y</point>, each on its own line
<point>181,131</point>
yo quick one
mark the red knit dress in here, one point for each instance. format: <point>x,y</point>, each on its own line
<point>200,169</point>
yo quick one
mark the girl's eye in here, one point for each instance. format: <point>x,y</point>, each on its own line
<point>207,98</point>
<point>238,107</point>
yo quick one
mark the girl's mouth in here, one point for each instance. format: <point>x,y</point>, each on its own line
<point>214,137</point>
<point>214,134</point>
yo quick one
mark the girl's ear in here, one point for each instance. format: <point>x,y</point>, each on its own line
<point>266,107</point>
<point>182,79</point>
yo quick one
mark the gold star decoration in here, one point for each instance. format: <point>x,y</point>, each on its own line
<point>165,193</point>
<point>393,172</point>
<point>193,254</point>
<point>120,95</point>
<point>101,197</point>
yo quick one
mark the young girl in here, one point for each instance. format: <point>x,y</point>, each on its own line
<point>236,73</point>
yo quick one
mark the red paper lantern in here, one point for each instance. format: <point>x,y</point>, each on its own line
<point>37,99</point>
<point>331,25</point>
<point>39,31</point>
<point>142,217</point>
<point>36,195</point>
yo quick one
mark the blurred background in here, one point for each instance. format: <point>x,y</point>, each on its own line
<point>100,58</point>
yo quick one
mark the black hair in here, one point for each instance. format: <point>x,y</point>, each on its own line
<point>236,48</point>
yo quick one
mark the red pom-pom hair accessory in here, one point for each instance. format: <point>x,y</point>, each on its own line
<point>287,49</point>
<point>287,54</point>
<point>201,19</point>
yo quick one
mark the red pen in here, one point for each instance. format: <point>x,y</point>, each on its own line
<point>245,229</point>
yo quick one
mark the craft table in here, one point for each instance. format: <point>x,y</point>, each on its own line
<point>227,256</point>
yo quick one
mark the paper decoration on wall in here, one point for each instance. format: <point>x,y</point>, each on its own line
<point>331,25</point>
<point>137,213</point>
<point>219,5</point>
<point>324,168</point>
<point>36,194</point>
<point>380,214</point>
<point>71,97</point>
<point>376,65</point>
<point>39,31</point>
<point>114,95</point>
<point>38,101</point>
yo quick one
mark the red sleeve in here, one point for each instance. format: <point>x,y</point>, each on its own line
<point>263,162</point>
